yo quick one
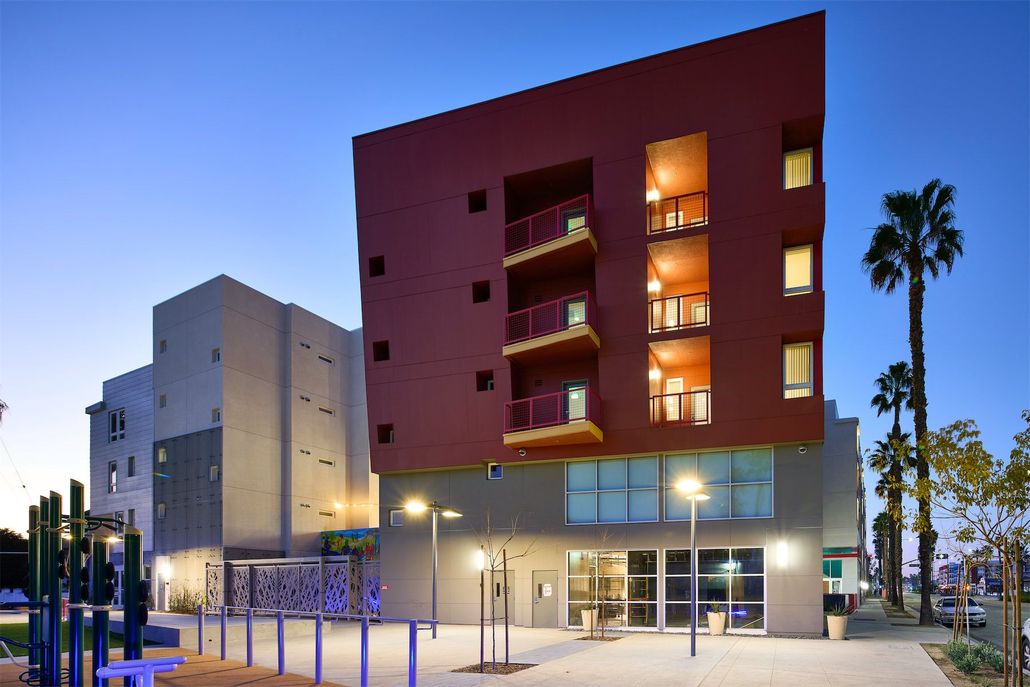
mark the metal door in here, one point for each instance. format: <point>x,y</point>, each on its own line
<point>545,598</point>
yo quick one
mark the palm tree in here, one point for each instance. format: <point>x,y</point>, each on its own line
<point>919,236</point>
<point>881,527</point>
<point>894,390</point>
<point>881,460</point>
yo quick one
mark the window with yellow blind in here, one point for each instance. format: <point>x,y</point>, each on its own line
<point>797,370</point>
<point>797,168</point>
<point>797,270</point>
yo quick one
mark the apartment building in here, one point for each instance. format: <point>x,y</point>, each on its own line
<point>578,295</point>
<point>246,437</point>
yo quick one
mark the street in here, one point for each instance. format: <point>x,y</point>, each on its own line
<point>992,632</point>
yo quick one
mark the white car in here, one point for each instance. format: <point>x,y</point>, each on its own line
<point>1026,647</point>
<point>944,612</point>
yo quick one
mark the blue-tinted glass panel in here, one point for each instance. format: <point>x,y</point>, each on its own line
<point>713,468</point>
<point>752,500</point>
<point>581,476</point>
<point>581,508</point>
<point>748,561</point>
<point>611,506</point>
<point>642,472</point>
<point>611,474</point>
<point>677,507</point>
<point>679,467</point>
<point>643,505</point>
<point>718,506</point>
<point>752,465</point>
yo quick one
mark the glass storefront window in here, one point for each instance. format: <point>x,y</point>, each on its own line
<point>734,578</point>
<point>622,584</point>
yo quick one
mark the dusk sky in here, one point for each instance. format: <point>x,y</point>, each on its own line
<point>147,147</point>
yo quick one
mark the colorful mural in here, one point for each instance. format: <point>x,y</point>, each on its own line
<point>363,544</point>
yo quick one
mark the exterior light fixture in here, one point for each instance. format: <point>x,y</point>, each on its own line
<point>782,553</point>
<point>415,507</point>
<point>863,585</point>
<point>338,505</point>
<point>437,509</point>
<point>113,540</point>
<point>693,490</point>
<point>654,286</point>
<point>653,195</point>
<point>478,560</point>
<point>654,374</point>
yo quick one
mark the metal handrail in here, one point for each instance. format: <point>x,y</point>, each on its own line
<point>679,409</point>
<point>549,410</point>
<point>660,309</point>
<point>414,626</point>
<point>546,225</point>
<point>546,318</point>
<point>687,210</point>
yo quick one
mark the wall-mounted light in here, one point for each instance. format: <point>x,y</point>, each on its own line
<point>782,553</point>
<point>654,286</point>
<point>415,506</point>
<point>655,374</point>
<point>478,560</point>
<point>337,505</point>
<point>653,195</point>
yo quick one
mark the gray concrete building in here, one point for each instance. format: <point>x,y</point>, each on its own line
<point>249,434</point>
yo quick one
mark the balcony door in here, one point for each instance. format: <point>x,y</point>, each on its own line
<point>699,404</point>
<point>674,399</point>
<point>574,402</point>
<point>574,312</point>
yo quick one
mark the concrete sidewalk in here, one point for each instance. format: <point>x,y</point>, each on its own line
<point>878,651</point>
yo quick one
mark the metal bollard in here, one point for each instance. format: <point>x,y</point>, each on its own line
<point>250,637</point>
<point>412,652</point>
<point>223,620</point>
<point>200,629</point>
<point>318,648</point>
<point>364,651</point>
<point>282,642</point>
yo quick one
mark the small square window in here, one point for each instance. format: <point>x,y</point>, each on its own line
<point>161,510</point>
<point>380,350</point>
<point>485,380</point>
<point>213,473</point>
<point>162,347</point>
<point>377,266</point>
<point>132,466</point>
<point>162,455</point>
<point>162,401</point>
<point>480,291</point>
<point>396,517</point>
<point>216,355</point>
<point>216,415</point>
<point>477,201</point>
<point>494,471</point>
<point>384,433</point>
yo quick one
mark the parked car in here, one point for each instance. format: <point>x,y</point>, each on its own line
<point>944,612</point>
<point>1026,646</point>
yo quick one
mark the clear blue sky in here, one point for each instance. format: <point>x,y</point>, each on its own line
<point>147,147</point>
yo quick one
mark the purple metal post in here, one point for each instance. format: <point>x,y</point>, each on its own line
<point>223,623</point>
<point>282,642</point>
<point>200,629</point>
<point>318,648</point>
<point>412,652</point>
<point>250,637</point>
<point>364,651</point>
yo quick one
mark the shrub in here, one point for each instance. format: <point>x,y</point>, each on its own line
<point>956,650</point>
<point>185,601</point>
<point>968,664</point>
<point>988,654</point>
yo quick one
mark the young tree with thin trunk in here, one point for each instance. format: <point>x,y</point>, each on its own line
<point>918,238</point>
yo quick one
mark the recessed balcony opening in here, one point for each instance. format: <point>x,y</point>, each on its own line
<point>552,330</point>
<point>676,183</point>
<point>680,382</point>
<point>677,284</point>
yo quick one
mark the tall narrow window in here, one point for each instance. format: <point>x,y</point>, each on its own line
<point>377,266</point>
<point>131,520</point>
<point>112,477</point>
<point>213,473</point>
<point>131,472</point>
<point>797,270</point>
<point>797,370</point>
<point>116,421</point>
<point>162,401</point>
<point>216,415</point>
<point>162,347</point>
<point>161,510</point>
<point>797,168</point>
<point>120,517</point>
<point>162,455</point>
<point>216,355</point>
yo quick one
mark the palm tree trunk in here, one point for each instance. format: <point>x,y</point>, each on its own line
<point>897,553</point>
<point>916,290</point>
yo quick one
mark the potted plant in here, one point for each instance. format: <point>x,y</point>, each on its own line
<point>589,616</point>
<point>716,619</point>
<point>837,621</point>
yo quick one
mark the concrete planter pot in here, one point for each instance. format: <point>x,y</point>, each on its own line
<point>837,626</point>
<point>589,620</point>
<point>717,623</point>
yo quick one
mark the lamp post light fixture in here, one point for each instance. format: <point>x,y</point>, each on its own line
<point>693,490</point>
<point>438,509</point>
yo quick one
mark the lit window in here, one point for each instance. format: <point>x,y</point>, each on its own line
<point>161,511</point>
<point>216,415</point>
<point>116,423</point>
<point>216,355</point>
<point>112,477</point>
<point>797,270</point>
<point>396,517</point>
<point>797,168</point>
<point>132,467</point>
<point>797,370</point>
<point>162,455</point>
<point>213,473</point>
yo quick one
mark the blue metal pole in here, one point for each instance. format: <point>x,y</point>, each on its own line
<point>318,648</point>
<point>364,651</point>
<point>200,630</point>
<point>222,618</point>
<point>250,637</point>
<point>412,652</point>
<point>282,642</point>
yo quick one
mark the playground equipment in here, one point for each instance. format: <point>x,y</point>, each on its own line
<point>52,565</point>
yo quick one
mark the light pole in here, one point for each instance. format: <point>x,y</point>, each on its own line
<point>694,491</point>
<point>438,509</point>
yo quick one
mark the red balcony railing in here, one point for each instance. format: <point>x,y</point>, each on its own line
<point>550,410</point>
<point>679,312</point>
<point>554,316</point>
<point>547,225</point>
<point>677,212</point>
<point>688,408</point>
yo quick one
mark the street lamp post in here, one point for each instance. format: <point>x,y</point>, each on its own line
<point>437,509</point>
<point>694,491</point>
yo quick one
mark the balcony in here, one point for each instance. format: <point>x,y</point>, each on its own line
<point>557,235</point>
<point>678,312</point>
<point>565,417</point>
<point>552,331</point>
<point>678,212</point>
<point>687,408</point>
